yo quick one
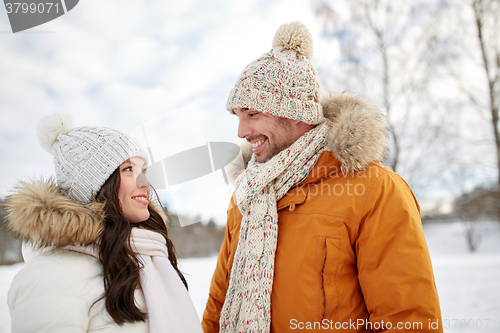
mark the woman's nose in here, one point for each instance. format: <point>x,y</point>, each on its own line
<point>142,181</point>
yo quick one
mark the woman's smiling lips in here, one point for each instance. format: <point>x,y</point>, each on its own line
<point>141,198</point>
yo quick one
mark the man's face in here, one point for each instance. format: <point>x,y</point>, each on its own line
<point>268,134</point>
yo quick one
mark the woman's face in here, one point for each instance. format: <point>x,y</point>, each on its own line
<point>134,190</point>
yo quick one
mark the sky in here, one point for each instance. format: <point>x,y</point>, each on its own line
<point>162,71</point>
<point>122,64</point>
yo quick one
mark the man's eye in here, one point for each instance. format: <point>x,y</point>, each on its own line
<point>144,171</point>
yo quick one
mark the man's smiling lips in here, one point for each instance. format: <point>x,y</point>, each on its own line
<point>257,145</point>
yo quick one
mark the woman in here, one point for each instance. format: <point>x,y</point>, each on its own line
<point>105,261</point>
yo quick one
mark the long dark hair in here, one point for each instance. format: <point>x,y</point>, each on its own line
<point>120,264</point>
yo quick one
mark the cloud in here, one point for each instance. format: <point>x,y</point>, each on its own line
<point>122,63</point>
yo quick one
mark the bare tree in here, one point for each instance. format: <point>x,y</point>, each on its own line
<point>10,249</point>
<point>472,208</point>
<point>476,72</point>
<point>390,51</point>
<point>4,239</point>
<point>475,68</point>
<point>486,17</point>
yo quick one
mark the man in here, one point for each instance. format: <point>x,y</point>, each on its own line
<point>320,236</point>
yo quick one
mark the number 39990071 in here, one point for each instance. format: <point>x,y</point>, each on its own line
<point>24,7</point>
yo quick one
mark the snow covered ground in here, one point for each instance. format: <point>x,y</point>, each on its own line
<point>468,283</point>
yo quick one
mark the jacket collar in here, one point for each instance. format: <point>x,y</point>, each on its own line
<point>359,131</point>
<point>326,166</point>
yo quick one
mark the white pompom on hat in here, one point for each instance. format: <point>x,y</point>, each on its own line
<point>50,127</point>
<point>85,157</point>
<point>282,82</point>
<point>295,37</point>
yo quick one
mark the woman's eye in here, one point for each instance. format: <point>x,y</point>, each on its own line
<point>144,171</point>
<point>128,169</point>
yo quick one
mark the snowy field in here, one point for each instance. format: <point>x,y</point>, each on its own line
<point>468,284</point>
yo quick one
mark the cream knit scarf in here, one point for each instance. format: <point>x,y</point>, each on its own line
<point>168,304</point>
<point>170,308</point>
<point>247,307</point>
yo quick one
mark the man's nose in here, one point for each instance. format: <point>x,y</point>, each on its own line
<point>244,129</point>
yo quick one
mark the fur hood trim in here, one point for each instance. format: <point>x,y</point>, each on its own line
<point>39,213</point>
<point>359,131</point>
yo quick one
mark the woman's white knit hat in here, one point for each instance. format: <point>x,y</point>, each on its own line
<point>282,82</point>
<point>85,157</point>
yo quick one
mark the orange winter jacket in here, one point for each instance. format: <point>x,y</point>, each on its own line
<point>351,255</point>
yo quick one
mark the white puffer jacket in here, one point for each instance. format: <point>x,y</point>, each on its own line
<point>61,289</point>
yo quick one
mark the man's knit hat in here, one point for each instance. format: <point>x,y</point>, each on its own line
<point>85,157</point>
<point>282,82</point>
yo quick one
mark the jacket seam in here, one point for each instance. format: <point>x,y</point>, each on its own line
<point>365,199</point>
<point>361,227</point>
